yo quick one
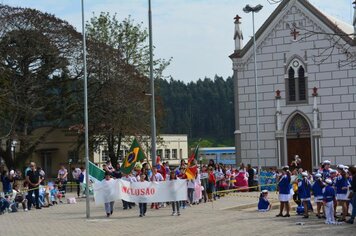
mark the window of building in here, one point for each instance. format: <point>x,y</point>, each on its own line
<point>159,152</point>
<point>174,153</point>
<point>121,154</point>
<point>298,127</point>
<point>296,83</point>
<point>104,155</point>
<point>167,154</point>
<point>73,156</point>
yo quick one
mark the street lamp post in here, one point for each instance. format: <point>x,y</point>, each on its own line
<point>13,149</point>
<point>254,10</point>
<point>86,128</point>
<point>153,116</point>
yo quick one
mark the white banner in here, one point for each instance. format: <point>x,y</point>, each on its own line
<point>140,192</point>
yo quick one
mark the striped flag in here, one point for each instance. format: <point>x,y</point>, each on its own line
<point>192,168</point>
<point>191,172</point>
<point>95,172</point>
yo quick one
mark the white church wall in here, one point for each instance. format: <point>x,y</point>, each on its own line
<point>336,89</point>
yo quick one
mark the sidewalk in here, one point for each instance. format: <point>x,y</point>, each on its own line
<point>230,215</point>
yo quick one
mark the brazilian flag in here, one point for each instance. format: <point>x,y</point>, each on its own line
<point>135,154</point>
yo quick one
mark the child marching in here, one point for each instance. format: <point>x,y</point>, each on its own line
<point>284,188</point>
<point>329,198</point>
<point>304,188</point>
<point>142,206</point>
<point>317,189</point>
<point>175,204</point>
<point>342,185</point>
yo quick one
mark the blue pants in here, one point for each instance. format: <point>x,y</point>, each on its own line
<point>126,204</point>
<point>175,206</point>
<point>353,202</point>
<point>3,204</point>
<point>109,207</point>
<point>34,201</point>
<point>190,195</point>
<point>143,208</point>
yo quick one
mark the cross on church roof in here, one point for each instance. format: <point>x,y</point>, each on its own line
<point>237,18</point>
<point>294,33</point>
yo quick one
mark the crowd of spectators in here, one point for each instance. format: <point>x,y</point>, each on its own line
<point>34,190</point>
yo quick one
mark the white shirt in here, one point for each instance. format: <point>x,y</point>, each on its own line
<point>76,172</point>
<point>62,172</point>
<point>126,178</point>
<point>191,184</point>
<point>133,179</point>
<point>157,177</point>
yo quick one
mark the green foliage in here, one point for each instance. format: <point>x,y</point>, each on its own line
<point>129,38</point>
<point>119,58</point>
<point>211,142</point>
<point>36,52</point>
<point>202,109</point>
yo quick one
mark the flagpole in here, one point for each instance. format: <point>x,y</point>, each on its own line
<point>153,115</point>
<point>86,128</point>
<point>146,158</point>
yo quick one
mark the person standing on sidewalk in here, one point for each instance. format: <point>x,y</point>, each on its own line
<point>81,180</point>
<point>175,204</point>
<point>304,188</point>
<point>191,188</point>
<point>34,179</point>
<point>109,206</point>
<point>204,182</point>
<point>6,180</point>
<point>156,177</point>
<point>329,199</point>
<point>317,189</point>
<point>76,173</point>
<point>353,195</point>
<point>63,178</point>
<point>342,186</point>
<point>125,204</point>
<point>211,184</point>
<point>142,206</point>
<point>284,188</point>
<point>251,177</point>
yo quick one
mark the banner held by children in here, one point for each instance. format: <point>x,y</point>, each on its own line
<point>140,192</point>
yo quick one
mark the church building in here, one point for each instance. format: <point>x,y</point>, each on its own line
<point>306,73</point>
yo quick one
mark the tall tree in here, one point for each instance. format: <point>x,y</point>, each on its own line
<point>35,51</point>
<point>119,66</point>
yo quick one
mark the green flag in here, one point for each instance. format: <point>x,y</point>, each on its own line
<point>194,155</point>
<point>135,154</point>
<point>95,172</point>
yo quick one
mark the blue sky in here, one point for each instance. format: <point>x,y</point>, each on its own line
<point>198,34</point>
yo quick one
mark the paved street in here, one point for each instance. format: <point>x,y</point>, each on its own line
<point>231,215</point>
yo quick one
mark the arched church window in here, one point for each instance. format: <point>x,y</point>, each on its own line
<point>296,83</point>
<point>298,126</point>
<point>291,83</point>
<point>301,83</point>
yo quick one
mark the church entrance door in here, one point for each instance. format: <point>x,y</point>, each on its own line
<point>301,147</point>
<point>299,142</point>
